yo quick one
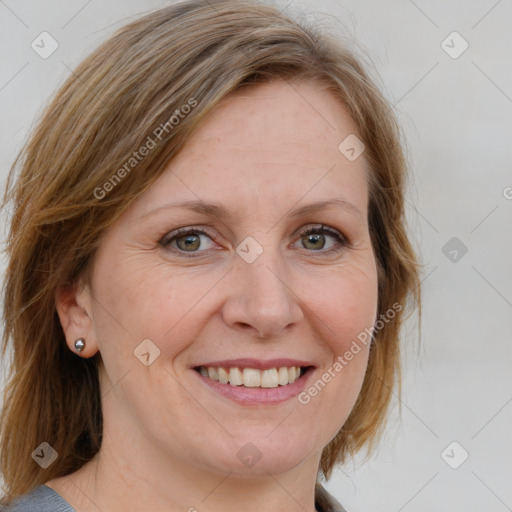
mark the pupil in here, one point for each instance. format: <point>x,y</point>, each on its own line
<point>192,241</point>
<point>189,242</point>
<point>314,239</point>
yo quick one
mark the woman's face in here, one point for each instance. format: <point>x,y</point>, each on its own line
<point>245,287</point>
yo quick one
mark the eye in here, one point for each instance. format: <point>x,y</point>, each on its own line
<point>192,241</point>
<point>322,239</point>
<point>188,240</point>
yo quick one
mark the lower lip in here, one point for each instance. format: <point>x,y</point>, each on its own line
<point>258,396</point>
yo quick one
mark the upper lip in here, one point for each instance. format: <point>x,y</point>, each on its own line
<point>255,363</point>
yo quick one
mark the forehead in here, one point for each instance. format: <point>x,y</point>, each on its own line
<point>274,142</point>
<point>301,115</point>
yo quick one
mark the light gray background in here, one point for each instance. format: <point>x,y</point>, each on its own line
<point>457,117</point>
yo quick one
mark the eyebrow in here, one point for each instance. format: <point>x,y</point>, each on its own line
<point>217,210</point>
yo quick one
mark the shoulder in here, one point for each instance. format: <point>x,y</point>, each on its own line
<point>324,502</point>
<point>41,499</point>
<point>45,499</point>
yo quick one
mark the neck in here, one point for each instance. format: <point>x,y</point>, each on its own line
<point>132,473</point>
<point>113,482</point>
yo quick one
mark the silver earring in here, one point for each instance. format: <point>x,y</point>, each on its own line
<point>79,344</point>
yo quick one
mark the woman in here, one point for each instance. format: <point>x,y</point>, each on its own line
<point>208,271</point>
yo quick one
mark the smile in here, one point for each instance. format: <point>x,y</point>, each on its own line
<point>257,382</point>
<point>253,377</point>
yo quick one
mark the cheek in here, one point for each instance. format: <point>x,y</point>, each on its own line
<point>343,310</point>
<point>344,304</point>
<point>339,304</point>
<point>139,299</point>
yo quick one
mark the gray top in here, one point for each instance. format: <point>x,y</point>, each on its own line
<point>41,499</point>
<point>45,499</point>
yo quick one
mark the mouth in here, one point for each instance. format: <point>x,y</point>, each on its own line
<point>254,382</point>
<point>254,377</point>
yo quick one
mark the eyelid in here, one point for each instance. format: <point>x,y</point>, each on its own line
<point>186,230</point>
<point>342,240</point>
<point>321,227</point>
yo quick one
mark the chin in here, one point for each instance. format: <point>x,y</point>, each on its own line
<point>261,455</point>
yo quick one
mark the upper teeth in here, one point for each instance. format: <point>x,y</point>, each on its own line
<point>251,377</point>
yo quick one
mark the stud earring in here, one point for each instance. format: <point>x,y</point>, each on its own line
<point>79,344</point>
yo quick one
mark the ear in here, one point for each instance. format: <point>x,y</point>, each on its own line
<point>73,304</point>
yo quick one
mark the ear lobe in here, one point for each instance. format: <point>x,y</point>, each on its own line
<point>73,308</point>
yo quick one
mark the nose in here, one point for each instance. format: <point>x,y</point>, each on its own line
<point>261,300</point>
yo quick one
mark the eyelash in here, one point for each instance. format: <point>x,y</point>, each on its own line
<point>342,242</point>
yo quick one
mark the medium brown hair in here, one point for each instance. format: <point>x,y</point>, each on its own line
<point>109,107</point>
